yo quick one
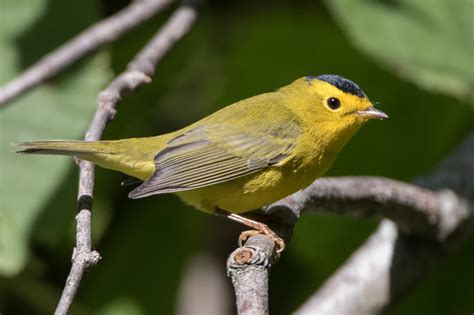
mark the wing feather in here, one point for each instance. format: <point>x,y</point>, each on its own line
<point>200,158</point>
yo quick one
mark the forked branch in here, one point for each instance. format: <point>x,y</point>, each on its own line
<point>104,32</point>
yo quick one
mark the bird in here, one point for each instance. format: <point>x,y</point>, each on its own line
<point>242,157</point>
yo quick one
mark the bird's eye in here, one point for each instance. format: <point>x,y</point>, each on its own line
<point>333,103</point>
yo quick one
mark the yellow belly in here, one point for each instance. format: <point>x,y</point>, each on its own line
<point>250,192</point>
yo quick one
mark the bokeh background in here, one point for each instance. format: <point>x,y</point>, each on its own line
<point>416,57</point>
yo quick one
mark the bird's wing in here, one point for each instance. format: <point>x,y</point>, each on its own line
<point>207,156</point>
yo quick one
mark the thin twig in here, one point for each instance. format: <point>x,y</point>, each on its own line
<point>138,72</point>
<point>99,34</point>
<point>425,221</point>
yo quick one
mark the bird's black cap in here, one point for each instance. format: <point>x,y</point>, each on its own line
<point>341,83</point>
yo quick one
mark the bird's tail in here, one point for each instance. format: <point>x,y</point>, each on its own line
<point>61,147</point>
<point>134,157</point>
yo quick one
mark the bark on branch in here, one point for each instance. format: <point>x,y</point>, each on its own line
<point>138,72</point>
<point>248,267</point>
<point>422,219</point>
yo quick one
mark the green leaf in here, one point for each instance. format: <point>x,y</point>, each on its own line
<point>428,42</point>
<point>58,109</point>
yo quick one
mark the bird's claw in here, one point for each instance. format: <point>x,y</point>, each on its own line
<point>280,243</point>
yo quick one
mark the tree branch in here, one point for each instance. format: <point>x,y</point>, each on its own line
<point>99,34</point>
<point>414,209</point>
<point>426,217</point>
<point>393,260</point>
<point>138,72</point>
<point>248,268</point>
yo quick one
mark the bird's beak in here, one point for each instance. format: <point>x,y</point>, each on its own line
<point>371,113</point>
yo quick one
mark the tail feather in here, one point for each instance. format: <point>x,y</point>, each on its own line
<point>60,147</point>
<point>134,157</point>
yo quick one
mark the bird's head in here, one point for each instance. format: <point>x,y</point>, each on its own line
<point>333,101</point>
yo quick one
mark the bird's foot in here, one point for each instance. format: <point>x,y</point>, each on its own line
<point>258,228</point>
<point>280,243</point>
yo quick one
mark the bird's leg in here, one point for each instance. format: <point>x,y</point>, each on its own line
<point>259,228</point>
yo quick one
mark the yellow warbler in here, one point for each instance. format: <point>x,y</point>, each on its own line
<point>244,156</point>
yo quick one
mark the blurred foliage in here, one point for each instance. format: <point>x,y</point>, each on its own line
<point>428,42</point>
<point>234,51</point>
<point>56,110</point>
